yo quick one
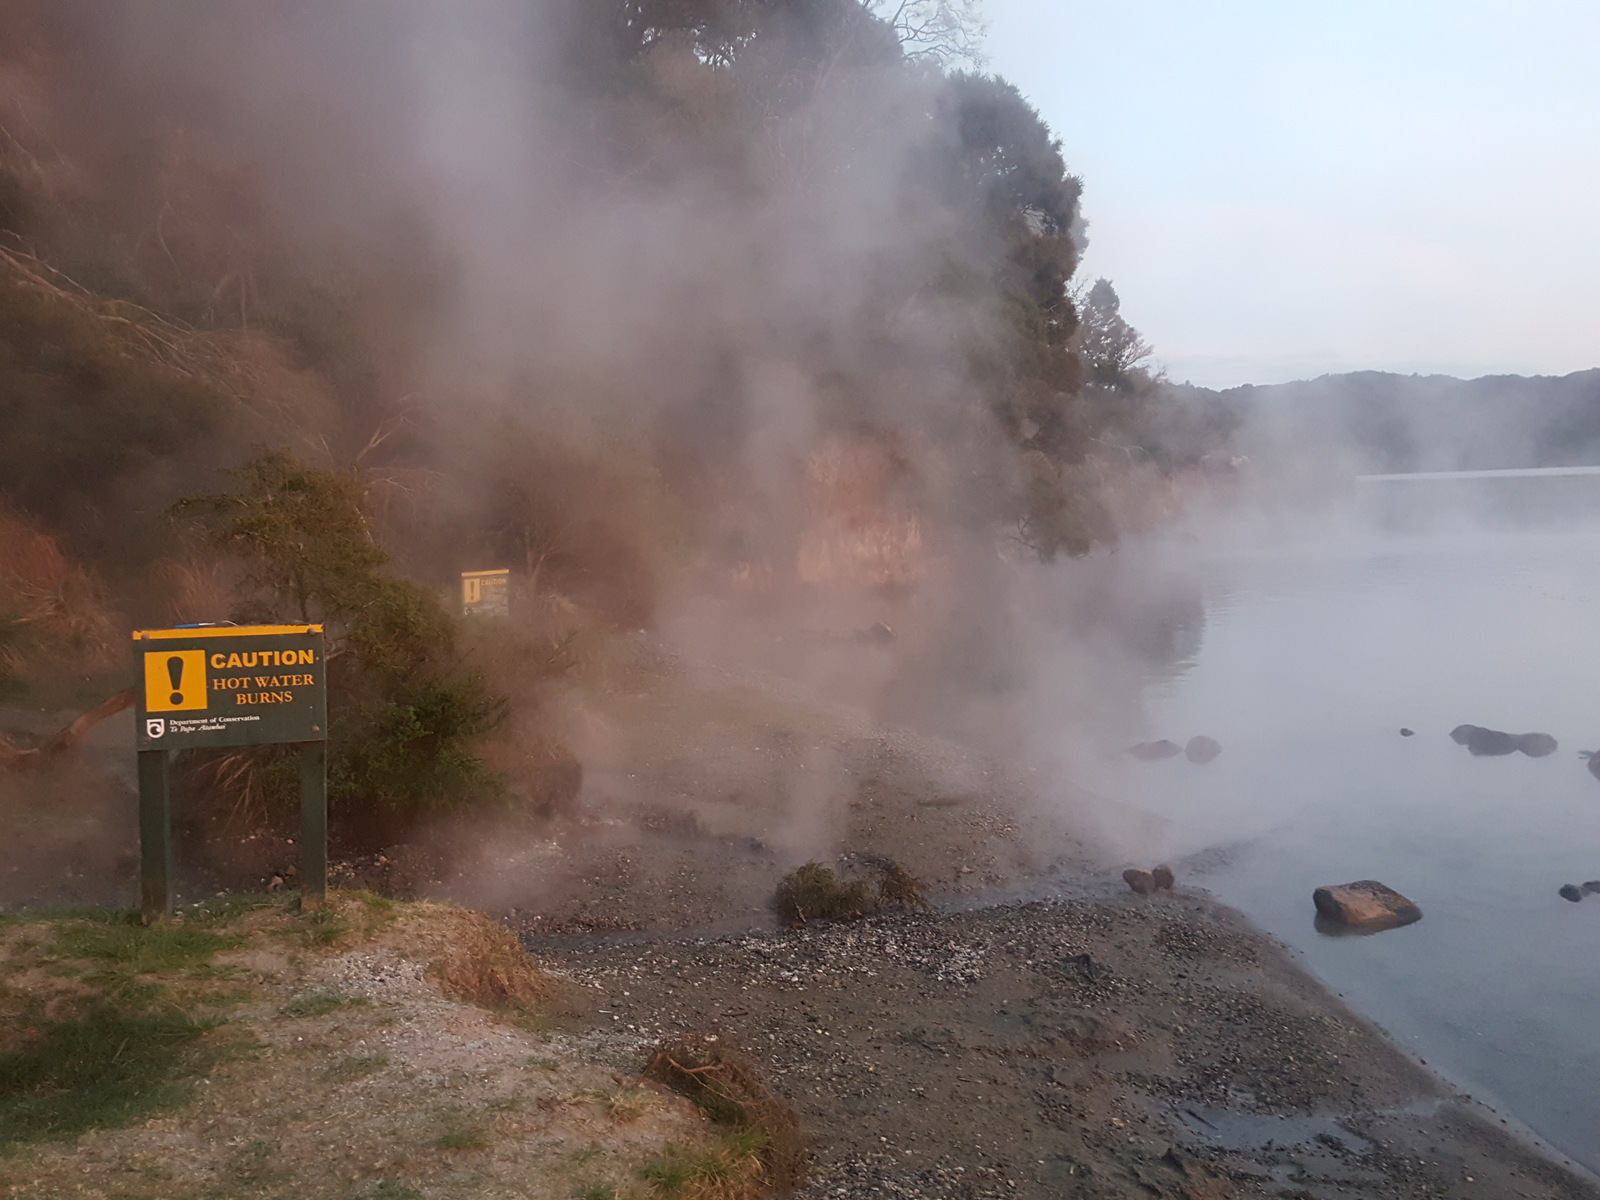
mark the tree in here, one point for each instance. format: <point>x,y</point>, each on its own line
<point>1111,348</point>
<point>944,32</point>
<point>403,713</point>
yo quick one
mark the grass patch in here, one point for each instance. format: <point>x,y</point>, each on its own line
<point>320,1004</point>
<point>105,1067</point>
<point>463,1136</point>
<point>486,965</point>
<point>118,939</point>
<point>388,1189</point>
<point>322,928</point>
<point>596,1191</point>
<point>724,1085</point>
<point>735,1168</point>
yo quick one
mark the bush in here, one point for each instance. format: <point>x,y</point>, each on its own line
<point>815,893</point>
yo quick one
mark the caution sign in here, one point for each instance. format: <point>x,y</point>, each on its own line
<point>230,685</point>
<point>486,593</point>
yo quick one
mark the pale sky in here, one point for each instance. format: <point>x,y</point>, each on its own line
<point>1283,188</point>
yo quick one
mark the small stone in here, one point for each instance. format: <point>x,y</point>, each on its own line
<point>1142,882</point>
<point>1365,904</point>
<point>1404,732</point>
<point>276,884</point>
<point>1202,749</point>
<point>1570,892</point>
<point>1592,886</point>
<point>1162,876</point>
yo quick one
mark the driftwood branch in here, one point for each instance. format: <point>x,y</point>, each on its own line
<point>66,739</point>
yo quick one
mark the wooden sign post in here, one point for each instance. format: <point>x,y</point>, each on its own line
<point>229,685</point>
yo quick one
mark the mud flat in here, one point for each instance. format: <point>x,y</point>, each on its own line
<point>1110,1046</point>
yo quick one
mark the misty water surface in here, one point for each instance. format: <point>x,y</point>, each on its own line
<point>1310,662</point>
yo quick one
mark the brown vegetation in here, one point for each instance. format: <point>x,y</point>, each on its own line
<point>725,1085</point>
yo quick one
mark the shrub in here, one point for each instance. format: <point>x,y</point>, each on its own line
<point>763,1145</point>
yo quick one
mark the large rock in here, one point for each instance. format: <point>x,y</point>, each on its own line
<point>1365,904</point>
<point>1142,882</point>
<point>1202,749</point>
<point>1491,743</point>
<point>1536,745</point>
<point>1594,765</point>
<point>1151,750</point>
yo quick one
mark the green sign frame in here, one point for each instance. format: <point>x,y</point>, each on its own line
<point>229,685</point>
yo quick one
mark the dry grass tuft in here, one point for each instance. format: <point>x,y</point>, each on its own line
<point>813,892</point>
<point>816,893</point>
<point>898,887</point>
<point>765,1146</point>
<point>484,964</point>
<point>49,607</point>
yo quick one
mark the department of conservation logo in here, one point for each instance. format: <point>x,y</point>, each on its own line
<point>155,727</point>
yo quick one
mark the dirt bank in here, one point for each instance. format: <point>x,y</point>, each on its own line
<point>1098,1048</point>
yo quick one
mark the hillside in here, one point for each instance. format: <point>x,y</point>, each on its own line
<point>1375,422</point>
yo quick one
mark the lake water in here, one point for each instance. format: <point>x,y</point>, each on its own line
<point>1308,664</point>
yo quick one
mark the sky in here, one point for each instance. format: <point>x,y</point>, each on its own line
<point>1280,189</point>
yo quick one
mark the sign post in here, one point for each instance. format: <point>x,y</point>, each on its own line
<point>229,685</point>
<point>486,593</point>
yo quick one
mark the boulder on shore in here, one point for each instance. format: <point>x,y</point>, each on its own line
<point>1153,750</point>
<point>1365,904</point>
<point>1536,745</point>
<point>1491,743</point>
<point>1162,876</point>
<point>1142,882</point>
<point>1202,749</point>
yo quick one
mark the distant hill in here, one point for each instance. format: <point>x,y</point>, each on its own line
<point>1379,422</point>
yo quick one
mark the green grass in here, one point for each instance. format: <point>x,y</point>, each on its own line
<point>106,1067</point>
<point>732,1167</point>
<point>465,1138</point>
<point>320,1004</point>
<point>118,940</point>
<point>596,1191</point>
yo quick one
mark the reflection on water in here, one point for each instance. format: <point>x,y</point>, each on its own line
<point>1311,664</point>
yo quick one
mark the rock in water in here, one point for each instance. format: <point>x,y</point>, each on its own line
<point>1142,882</point>
<point>1162,876</point>
<point>1461,733</point>
<point>1491,743</point>
<point>1594,765</point>
<point>1152,750</point>
<point>1202,749</point>
<point>1536,745</point>
<point>1568,892</point>
<point>1365,904</point>
<point>1591,886</point>
<point>1408,732</point>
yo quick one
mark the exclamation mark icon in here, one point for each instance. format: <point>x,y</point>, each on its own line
<point>175,673</point>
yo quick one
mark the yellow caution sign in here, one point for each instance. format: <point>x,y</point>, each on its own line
<point>174,680</point>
